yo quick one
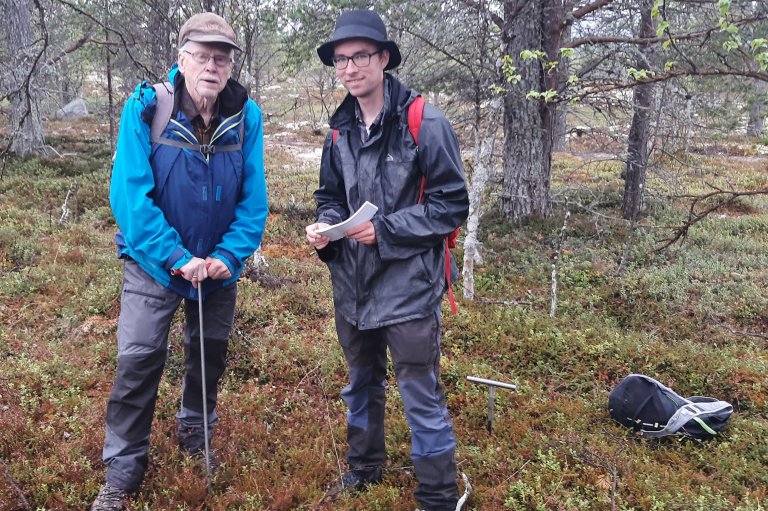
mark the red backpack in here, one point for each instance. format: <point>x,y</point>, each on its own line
<point>415,115</point>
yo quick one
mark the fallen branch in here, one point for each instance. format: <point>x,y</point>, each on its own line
<point>502,302</point>
<point>558,255</point>
<point>64,208</point>
<point>15,486</point>
<point>740,333</point>
<point>694,217</point>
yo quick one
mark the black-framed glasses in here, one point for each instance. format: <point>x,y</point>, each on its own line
<point>202,58</point>
<point>360,60</point>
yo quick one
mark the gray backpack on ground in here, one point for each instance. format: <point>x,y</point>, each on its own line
<point>654,410</point>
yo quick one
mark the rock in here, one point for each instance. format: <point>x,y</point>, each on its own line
<point>72,110</point>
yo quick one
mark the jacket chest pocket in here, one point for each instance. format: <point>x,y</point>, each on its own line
<point>400,182</point>
<point>228,177</point>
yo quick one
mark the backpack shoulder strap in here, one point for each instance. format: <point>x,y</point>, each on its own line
<point>163,111</point>
<point>691,411</point>
<point>335,135</point>
<point>415,115</point>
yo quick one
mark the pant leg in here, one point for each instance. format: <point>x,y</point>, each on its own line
<point>415,348</point>
<point>146,311</point>
<point>366,356</point>
<point>218,317</point>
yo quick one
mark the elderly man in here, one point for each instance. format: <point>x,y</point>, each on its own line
<point>388,273</point>
<point>189,196</point>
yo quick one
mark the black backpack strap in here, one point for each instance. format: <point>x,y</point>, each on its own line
<point>163,111</point>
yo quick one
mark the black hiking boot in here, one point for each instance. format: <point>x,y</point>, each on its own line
<point>192,443</point>
<point>357,480</point>
<point>110,498</point>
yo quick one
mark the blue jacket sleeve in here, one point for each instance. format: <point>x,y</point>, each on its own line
<point>144,227</point>
<point>245,232</point>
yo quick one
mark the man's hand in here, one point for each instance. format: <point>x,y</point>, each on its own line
<point>194,271</point>
<point>363,233</point>
<point>217,270</point>
<point>316,240</point>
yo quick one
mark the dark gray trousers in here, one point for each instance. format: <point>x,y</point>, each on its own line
<point>415,349</point>
<point>147,309</point>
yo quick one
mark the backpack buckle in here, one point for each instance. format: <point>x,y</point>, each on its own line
<point>207,149</point>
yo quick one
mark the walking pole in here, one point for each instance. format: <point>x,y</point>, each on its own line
<point>205,394</point>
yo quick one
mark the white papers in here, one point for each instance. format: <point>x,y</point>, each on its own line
<point>336,232</point>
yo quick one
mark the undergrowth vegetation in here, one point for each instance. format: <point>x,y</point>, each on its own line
<point>694,315</point>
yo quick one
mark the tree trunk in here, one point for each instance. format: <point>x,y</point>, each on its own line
<point>483,158</point>
<point>637,146</point>
<point>528,124</point>
<point>559,141</point>
<point>560,129</point>
<point>757,110</point>
<point>110,88</point>
<point>26,125</point>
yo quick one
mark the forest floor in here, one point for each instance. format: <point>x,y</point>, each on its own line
<point>694,315</point>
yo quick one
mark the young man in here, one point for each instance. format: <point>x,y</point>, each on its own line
<point>191,204</point>
<point>389,273</point>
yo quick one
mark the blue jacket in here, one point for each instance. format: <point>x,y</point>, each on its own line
<point>172,204</point>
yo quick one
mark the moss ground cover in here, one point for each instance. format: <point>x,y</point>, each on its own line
<point>694,316</point>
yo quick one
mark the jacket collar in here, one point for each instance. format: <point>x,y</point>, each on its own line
<point>230,101</point>
<point>399,98</point>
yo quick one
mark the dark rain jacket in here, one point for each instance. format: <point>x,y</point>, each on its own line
<point>402,276</point>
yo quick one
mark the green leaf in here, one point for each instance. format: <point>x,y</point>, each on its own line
<point>533,95</point>
<point>566,52</point>
<point>669,64</point>
<point>509,70</point>
<point>639,74</point>
<point>758,44</point>
<point>656,9</point>
<point>663,26</point>
<point>532,54</point>
<point>724,6</point>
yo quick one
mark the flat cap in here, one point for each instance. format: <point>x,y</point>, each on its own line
<point>208,27</point>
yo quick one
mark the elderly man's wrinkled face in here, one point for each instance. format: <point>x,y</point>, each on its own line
<point>206,69</point>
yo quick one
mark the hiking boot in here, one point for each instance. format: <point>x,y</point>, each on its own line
<point>192,443</point>
<point>463,499</point>
<point>199,459</point>
<point>110,498</point>
<point>191,440</point>
<point>357,480</point>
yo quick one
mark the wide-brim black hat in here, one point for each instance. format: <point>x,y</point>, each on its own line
<point>360,24</point>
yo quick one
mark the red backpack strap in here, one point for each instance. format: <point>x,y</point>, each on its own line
<point>334,136</point>
<point>415,114</point>
<point>451,298</point>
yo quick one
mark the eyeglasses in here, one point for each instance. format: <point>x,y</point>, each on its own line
<point>202,58</point>
<point>360,60</point>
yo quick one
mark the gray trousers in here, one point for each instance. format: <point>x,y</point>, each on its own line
<point>415,349</point>
<point>146,311</point>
